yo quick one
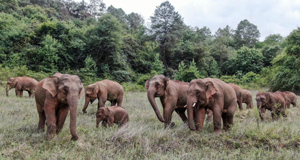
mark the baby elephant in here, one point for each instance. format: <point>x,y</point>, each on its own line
<point>110,115</point>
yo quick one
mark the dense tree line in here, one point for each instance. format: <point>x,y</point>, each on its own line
<point>96,41</point>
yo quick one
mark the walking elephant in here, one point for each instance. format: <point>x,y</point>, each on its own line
<point>213,94</point>
<point>287,101</point>
<point>20,84</point>
<point>55,96</point>
<point>104,90</point>
<point>111,115</point>
<point>172,94</point>
<point>243,96</point>
<point>271,101</point>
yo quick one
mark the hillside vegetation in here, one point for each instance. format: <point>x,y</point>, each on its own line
<point>97,42</point>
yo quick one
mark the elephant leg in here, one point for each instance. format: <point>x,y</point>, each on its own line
<point>21,93</point>
<point>240,104</point>
<point>120,99</point>
<point>42,117</point>
<point>217,114</point>
<point>51,123</point>
<point>168,110</point>
<point>180,112</point>
<point>199,119</point>
<point>61,118</point>
<point>225,122</point>
<point>101,102</point>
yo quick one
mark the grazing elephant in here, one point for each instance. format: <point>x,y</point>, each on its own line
<point>213,94</point>
<point>55,96</point>
<point>243,96</point>
<point>292,97</point>
<point>21,83</point>
<point>111,115</point>
<point>104,90</point>
<point>271,101</point>
<point>172,94</point>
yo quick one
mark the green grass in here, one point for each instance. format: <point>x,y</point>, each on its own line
<point>145,137</point>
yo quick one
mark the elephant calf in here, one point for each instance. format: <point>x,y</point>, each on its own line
<point>22,84</point>
<point>111,115</point>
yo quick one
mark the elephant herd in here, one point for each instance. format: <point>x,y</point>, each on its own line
<point>56,95</point>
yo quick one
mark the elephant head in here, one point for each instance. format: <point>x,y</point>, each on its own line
<point>102,113</point>
<point>11,83</point>
<point>66,89</point>
<point>156,88</point>
<point>262,101</point>
<point>91,94</point>
<point>198,95</point>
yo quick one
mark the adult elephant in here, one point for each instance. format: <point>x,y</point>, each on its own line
<point>55,96</point>
<point>287,101</point>
<point>104,90</point>
<point>172,94</point>
<point>20,84</point>
<point>243,96</point>
<point>271,101</point>
<point>214,94</point>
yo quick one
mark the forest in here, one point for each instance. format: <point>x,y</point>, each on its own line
<point>95,41</point>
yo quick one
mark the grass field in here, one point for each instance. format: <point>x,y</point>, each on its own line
<point>145,137</point>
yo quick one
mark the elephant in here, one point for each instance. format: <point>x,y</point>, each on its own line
<point>22,83</point>
<point>271,101</point>
<point>104,90</point>
<point>55,96</point>
<point>286,98</point>
<point>213,94</point>
<point>292,97</point>
<point>172,94</point>
<point>111,115</point>
<point>243,96</point>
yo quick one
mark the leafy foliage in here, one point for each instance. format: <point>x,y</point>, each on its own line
<point>286,65</point>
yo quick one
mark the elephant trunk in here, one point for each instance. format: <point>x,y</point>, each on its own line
<point>190,111</point>
<point>73,103</point>
<point>87,100</point>
<point>151,99</point>
<point>7,89</point>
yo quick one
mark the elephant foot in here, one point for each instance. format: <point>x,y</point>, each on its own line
<point>84,111</point>
<point>170,125</point>
<point>50,136</point>
<point>74,138</point>
<point>218,131</point>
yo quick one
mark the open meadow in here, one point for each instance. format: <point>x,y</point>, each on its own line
<point>145,137</point>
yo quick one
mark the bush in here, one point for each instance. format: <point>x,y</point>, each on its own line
<point>230,79</point>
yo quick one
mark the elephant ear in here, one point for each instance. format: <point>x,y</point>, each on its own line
<point>51,84</point>
<point>147,84</point>
<point>15,82</point>
<point>106,111</point>
<point>210,89</point>
<point>92,89</point>
<point>166,80</point>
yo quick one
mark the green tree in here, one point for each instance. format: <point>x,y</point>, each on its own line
<point>187,74</point>
<point>157,66</point>
<point>167,26</point>
<point>222,46</point>
<point>286,65</point>
<point>104,44</point>
<point>246,34</point>
<point>246,60</point>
